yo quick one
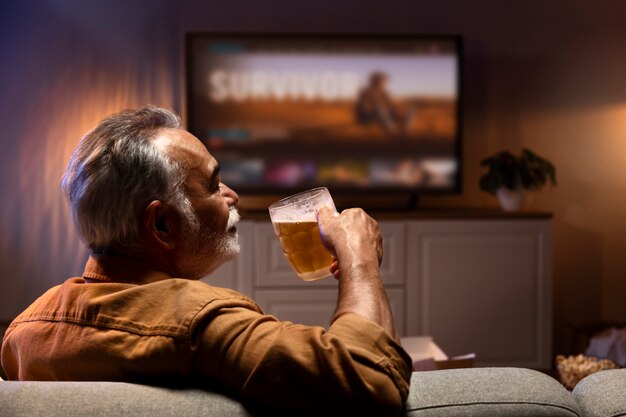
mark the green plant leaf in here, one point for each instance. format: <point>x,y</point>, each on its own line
<point>504,169</point>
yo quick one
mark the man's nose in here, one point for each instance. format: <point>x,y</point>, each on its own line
<point>232,198</point>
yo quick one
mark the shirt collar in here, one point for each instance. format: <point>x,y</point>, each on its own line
<point>116,268</point>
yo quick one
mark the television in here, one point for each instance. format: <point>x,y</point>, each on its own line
<point>361,114</point>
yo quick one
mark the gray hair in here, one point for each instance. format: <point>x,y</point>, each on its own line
<point>116,171</point>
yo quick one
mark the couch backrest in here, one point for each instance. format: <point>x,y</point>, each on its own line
<point>501,392</point>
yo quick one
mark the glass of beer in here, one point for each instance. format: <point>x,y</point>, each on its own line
<point>295,223</point>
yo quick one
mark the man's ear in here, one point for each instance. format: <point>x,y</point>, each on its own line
<point>159,222</point>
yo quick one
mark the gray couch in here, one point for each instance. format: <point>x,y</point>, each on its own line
<point>459,392</point>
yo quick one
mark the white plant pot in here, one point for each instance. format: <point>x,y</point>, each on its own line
<point>512,200</point>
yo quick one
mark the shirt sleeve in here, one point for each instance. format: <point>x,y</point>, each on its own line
<point>352,368</point>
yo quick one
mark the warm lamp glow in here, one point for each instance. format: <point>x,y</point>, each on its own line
<point>73,105</point>
<point>66,66</point>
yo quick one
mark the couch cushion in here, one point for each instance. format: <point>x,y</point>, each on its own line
<point>602,394</point>
<point>108,399</point>
<point>502,392</point>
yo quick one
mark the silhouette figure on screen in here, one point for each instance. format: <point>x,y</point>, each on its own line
<point>375,105</point>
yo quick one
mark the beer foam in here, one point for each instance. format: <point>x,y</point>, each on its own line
<point>293,217</point>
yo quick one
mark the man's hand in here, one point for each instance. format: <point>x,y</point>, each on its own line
<point>355,241</point>
<point>350,235</point>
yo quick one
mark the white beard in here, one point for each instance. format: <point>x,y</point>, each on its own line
<point>228,244</point>
<point>207,250</point>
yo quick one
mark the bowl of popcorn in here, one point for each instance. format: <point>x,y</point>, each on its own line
<point>573,368</point>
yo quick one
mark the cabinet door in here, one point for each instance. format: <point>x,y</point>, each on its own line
<point>393,268</point>
<point>315,307</point>
<point>483,287</point>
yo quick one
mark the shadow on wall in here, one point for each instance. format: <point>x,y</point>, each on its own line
<point>577,291</point>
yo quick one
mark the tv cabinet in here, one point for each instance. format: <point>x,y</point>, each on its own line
<point>477,281</point>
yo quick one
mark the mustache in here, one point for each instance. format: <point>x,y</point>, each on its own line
<point>233,218</point>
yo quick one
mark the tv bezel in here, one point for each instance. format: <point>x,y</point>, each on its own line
<point>410,195</point>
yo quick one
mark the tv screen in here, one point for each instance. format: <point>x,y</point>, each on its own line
<point>282,113</point>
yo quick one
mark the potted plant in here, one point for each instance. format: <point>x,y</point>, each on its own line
<point>510,176</point>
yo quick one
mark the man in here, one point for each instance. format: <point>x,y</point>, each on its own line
<point>147,198</point>
<point>374,105</point>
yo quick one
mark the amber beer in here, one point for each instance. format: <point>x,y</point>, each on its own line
<point>303,248</point>
<point>295,224</point>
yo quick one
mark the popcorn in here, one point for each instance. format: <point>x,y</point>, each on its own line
<point>574,368</point>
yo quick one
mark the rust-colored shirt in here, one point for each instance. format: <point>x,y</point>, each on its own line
<point>184,332</point>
